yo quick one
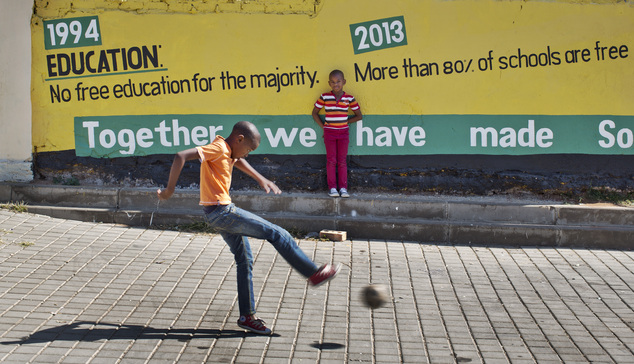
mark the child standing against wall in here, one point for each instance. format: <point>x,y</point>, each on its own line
<point>235,224</point>
<point>336,104</point>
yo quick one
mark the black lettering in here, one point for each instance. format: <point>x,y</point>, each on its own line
<point>363,76</point>
<point>77,70</point>
<point>63,64</point>
<point>261,78</point>
<point>88,65</point>
<point>503,64</point>
<point>150,56</point>
<point>109,60</point>
<point>113,53</point>
<point>135,59</point>
<point>103,62</point>
<point>50,64</point>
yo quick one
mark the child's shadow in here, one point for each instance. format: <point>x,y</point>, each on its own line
<point>90,331</point>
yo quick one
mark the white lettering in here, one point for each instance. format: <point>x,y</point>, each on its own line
<point>383,138</point>
<point>360,131</point>
<point>109,134</point>
<point>281,134</point>
<point>624,137</point>
<point>214,130</point>
<point>91,125</point>
<point>307,137</point>
<point>177,130</point>
<point>417,136</point>
<point>162,130</point>
<point>142,135</point>
<point>483,136</point>
<point>509,138</point>
<point>400,136</point>
<point>126,140</point>
<point>542,135</point>
<point>197,133</point>
<point>527,132</point>
<point>606,134</point>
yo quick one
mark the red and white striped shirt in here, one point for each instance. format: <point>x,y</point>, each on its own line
<point>336,109</point>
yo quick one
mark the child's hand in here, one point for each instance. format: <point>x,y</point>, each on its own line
<point>269,186</point>
<point>164,194</point>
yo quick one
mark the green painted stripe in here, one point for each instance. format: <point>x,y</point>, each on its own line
<point>136,135</point>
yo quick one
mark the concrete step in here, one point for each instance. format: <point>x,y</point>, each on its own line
<point>440,219</point>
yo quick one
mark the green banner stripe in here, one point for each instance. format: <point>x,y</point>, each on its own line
<point>72,32</point>
<point>137,135</point>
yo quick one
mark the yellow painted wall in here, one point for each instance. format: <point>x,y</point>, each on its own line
<point>247,37</point>
<point>61,8</point>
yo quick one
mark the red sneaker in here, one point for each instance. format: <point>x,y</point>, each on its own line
<point>324,274</point>
<point>254,325</point>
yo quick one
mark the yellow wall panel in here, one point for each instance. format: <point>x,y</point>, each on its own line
<point>519,56</point>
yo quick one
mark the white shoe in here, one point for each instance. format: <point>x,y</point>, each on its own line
<point>333,193</point>
<point>344,192</point>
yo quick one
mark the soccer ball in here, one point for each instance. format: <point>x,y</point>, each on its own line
<point>374,295</point>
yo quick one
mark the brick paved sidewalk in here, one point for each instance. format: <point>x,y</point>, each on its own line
<point>77,292</point>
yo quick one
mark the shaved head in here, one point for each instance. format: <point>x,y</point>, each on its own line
<point>336,73</point>
<point>247,129</point>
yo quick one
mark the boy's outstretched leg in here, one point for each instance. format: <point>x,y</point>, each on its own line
<point>230,219</point>
<point>235,225</point>
<point>324,274</point>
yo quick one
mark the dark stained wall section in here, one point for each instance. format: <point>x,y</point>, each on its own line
<point>453,174</point>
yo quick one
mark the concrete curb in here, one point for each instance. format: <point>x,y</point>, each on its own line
<point>447,219</point>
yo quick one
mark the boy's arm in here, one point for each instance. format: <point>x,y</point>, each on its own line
<point>357,116</point>
<point>266,184</point>
<point>177,166</point>
<point>317,118</point>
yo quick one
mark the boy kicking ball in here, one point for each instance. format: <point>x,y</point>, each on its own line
<point>234,224</point>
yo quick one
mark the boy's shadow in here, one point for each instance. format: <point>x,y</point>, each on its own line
<point>90,331</point>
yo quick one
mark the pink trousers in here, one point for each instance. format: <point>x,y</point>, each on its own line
<point>336,142</point>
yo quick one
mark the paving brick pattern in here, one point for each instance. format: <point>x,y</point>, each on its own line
<point>78,292</point>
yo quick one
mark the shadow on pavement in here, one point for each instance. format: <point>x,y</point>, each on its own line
<point>326,345</point>
<point>91,331</point>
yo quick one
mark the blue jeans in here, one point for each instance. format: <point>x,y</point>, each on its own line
<point>234,225</point>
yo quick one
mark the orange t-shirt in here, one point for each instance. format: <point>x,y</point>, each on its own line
<point>215,172</point>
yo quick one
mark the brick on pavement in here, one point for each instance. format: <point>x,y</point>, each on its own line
<point>79,292</point>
